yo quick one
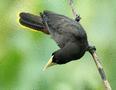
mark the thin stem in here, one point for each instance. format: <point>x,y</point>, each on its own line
<point>75,14</point>
<point>100,68</point>
<point>72,7</point>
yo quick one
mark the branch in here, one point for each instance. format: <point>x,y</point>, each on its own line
<point>77,17</point>
<point>92,50</point>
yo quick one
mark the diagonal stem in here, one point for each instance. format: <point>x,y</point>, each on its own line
<point>75,14</point>
<point>72,7</point>
<point>92,50</point>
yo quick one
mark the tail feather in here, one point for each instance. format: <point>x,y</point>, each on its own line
<point>32,21</point>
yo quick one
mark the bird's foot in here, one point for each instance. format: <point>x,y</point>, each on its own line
<point>91,49</point>
<point>78,18</point>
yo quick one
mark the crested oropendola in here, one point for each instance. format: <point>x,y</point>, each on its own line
<point>67,33</point>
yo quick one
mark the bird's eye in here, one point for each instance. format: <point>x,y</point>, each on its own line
<point>53,53</point>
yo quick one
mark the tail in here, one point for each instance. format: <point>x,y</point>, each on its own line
<point>32,21</point>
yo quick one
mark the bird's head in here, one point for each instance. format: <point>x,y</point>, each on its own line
<point>55,59</point>
<point>64,56</point>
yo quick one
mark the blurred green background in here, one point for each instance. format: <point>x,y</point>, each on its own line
<point>23,52</point>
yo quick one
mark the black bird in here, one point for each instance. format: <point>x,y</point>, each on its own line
<point>67,33</point>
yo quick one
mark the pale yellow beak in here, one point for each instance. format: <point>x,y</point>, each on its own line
<point>49,63</point>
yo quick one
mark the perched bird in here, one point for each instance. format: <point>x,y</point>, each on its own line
<point>67,33</point>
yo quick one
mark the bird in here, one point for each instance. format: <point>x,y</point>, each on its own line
<point>68,33</point>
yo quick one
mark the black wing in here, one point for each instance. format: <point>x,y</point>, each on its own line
<point>64,29</point>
